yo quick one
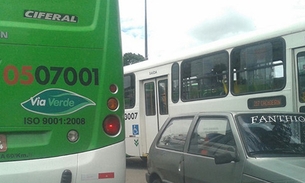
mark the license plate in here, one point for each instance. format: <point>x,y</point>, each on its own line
<point>3,143</point>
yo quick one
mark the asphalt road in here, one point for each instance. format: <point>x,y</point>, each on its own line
<point>135,170</point>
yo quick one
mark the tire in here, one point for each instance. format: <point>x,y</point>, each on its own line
<point>144,159</point>
<point>157,180</point>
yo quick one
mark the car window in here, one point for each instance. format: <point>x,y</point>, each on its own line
<point>212,136</point>
<point>174,135</point>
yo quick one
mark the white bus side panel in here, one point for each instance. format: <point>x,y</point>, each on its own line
<point>94,166</point>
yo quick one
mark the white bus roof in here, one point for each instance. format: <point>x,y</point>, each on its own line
<point>219,45</point>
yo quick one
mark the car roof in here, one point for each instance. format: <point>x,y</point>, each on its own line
<point>232,113</point>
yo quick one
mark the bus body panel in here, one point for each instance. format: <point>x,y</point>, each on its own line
<point>32,82</point>
<point>105,167</point>
<point>59,64</point>
<point>101,166</point>
<point>56,23</point>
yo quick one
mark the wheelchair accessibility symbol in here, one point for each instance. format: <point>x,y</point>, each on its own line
<point>135,129</point>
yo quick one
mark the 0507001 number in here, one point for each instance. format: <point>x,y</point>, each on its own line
<point>44,75</point>
<point>54,121</point>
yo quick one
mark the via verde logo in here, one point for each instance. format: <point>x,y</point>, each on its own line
<point>55,101</point>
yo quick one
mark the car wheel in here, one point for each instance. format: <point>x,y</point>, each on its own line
<point>156,180</point>
<point>144,159</point>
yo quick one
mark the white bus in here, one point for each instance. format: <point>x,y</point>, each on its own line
<point>258,71</point>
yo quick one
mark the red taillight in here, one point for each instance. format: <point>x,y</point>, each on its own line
<point>112,125</point>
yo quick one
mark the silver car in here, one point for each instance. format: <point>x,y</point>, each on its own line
<point>229,147</point>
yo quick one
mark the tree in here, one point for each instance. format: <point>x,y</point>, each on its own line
<point>131,58</point>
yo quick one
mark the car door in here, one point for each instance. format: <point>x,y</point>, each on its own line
<point>167,155</point>
<point>212,135</point>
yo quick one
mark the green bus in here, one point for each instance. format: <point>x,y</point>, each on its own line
<point>61,92</point>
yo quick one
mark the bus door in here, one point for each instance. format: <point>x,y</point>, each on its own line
<point>156,107</point>
<point>300,78</point>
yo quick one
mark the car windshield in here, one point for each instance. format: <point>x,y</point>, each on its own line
<point>273,134</point>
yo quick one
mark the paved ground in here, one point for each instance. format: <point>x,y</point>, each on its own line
<point>135,170</point>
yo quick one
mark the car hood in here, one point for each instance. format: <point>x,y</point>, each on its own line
<point>276,169</point>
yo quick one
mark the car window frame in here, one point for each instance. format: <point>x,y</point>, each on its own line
<point>209,117</point>
<point>164,127</point>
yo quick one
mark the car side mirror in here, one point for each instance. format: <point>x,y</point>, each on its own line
<point>225,157</point>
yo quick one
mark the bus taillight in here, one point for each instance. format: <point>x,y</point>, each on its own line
<point>112,125</point>
<point>113,104</point>
<point>113,88</point>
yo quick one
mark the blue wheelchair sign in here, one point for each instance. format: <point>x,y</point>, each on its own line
<point>135,129</point>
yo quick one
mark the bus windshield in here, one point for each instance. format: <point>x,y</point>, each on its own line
<point>273,135</point>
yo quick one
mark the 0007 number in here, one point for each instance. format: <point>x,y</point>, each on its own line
<point>130,116</point>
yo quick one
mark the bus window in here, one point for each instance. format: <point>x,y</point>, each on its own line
<point>163,102</point>
<point>129,91</point>
<point>175,82</point>
<point>258,68</point>
<point>301,75</point>
<point>150,106</point>
<point>204,77</point>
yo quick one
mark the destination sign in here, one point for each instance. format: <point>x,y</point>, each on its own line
<point>267,102</point>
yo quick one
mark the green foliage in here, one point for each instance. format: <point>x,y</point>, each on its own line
<point>131,58</point>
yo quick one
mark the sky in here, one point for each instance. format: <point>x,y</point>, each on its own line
<point>177,25</point>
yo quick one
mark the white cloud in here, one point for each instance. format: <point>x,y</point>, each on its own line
<point>175,25</point>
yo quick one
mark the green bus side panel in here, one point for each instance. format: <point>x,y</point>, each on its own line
<point>55,76</point>
<point>59,22</point>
